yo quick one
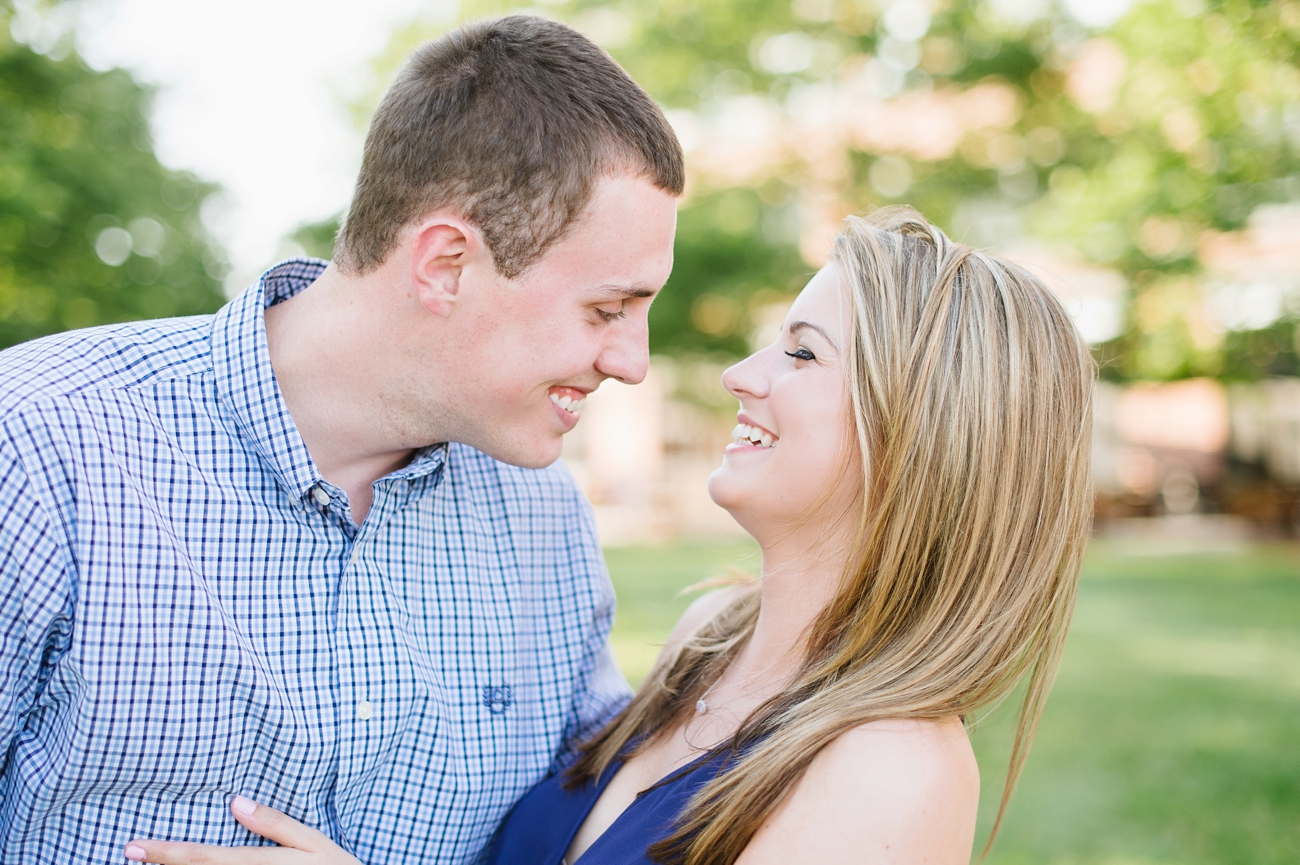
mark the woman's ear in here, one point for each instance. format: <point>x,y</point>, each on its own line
<point>439,249</point>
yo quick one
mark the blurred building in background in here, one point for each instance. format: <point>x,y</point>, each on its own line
<point>1158,447</point>
<point>1196,446</point>
<point>643,455</point>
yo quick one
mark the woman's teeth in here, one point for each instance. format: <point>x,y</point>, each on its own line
<point>746,434</point>
<point>572,406</point>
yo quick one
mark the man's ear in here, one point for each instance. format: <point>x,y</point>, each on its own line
<point>439,250</point>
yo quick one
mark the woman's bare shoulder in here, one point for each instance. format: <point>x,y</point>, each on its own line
<point>885,792</point>
<point>930,753</point>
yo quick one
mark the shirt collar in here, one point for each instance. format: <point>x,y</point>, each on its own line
<point>247,388</point>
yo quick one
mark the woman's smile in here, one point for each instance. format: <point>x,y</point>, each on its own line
<point>751,436</point>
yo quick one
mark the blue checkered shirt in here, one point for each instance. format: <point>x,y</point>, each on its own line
<point>187,610</point>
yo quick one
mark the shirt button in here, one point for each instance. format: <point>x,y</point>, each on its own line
<point>365,710</point>
<point>322,498</point>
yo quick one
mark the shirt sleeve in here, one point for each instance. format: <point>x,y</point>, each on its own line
<point>602,690</point>
<point>595,705</point>
<point>35,599</point>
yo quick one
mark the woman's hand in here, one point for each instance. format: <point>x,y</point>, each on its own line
<point>299,844</point>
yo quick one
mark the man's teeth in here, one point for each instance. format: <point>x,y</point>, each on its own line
<point>746,434</point>
<point>569,404</point>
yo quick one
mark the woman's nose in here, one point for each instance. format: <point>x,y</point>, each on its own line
<point>746,378</point>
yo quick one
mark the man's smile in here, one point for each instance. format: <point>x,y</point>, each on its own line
<point>568,398</point>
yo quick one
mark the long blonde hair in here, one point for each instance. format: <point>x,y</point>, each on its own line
<point>971,392</point>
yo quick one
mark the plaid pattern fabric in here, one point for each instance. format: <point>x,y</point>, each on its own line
<point>187,611</point>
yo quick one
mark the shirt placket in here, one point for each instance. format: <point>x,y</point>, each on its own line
<point>373,672</point>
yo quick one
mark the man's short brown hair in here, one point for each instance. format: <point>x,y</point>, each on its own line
<point>509,122</point>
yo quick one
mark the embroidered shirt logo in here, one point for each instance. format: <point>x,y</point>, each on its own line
<point>497,698</point>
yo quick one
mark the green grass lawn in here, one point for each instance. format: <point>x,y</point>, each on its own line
<point>1173,733</point>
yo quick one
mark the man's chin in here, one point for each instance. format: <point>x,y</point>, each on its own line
<point>529,463</point>
<point>526,455</point>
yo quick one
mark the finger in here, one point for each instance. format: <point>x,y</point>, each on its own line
<point>181,853</point>
<point>279,827</point>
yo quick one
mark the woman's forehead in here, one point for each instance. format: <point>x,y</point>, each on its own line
<point>823,302</point>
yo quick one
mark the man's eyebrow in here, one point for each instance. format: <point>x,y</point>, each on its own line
<point>628,290</point>
<point>796,326</point>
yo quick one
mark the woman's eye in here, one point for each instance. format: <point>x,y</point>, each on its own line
<point>801,354</point>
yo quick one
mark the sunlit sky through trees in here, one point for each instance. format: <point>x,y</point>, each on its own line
<point>253,95</point>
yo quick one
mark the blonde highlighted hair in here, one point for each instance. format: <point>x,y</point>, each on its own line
<point>971,392</point>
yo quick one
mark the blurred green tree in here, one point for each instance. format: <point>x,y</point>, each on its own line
<point>726,267</point>
<point>1123,144</point>
<point>92,228</point>
<point>317,238</point>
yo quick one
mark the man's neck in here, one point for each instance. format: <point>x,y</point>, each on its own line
<point>327,363</point>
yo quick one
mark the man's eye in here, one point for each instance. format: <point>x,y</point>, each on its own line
<point>801,354</point>
<point>606,315</point>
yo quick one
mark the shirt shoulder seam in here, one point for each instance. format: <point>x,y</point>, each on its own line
<point>41,399</point>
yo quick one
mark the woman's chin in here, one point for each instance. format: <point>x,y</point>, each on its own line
<point>719,486</point>
<point>727,493</point>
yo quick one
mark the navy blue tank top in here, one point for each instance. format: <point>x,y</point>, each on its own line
<point>543,824</point>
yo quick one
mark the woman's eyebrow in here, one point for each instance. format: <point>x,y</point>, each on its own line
<point>796,326</point>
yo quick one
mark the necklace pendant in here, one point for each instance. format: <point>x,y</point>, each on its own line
<point>701,707</point>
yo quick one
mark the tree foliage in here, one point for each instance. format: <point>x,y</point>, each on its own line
<point>92,228</point>
<point>1120,144</point>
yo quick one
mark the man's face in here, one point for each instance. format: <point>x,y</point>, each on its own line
<point>532,347</point>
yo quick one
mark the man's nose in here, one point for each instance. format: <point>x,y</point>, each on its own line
<point>626,353</point>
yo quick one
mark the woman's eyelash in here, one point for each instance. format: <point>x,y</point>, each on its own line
<point>801,354</point>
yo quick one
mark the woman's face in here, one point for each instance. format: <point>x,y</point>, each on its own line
<point>787,456</point>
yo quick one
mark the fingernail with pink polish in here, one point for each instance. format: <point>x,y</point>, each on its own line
<point>244,805</point>
<point>135,851</point>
